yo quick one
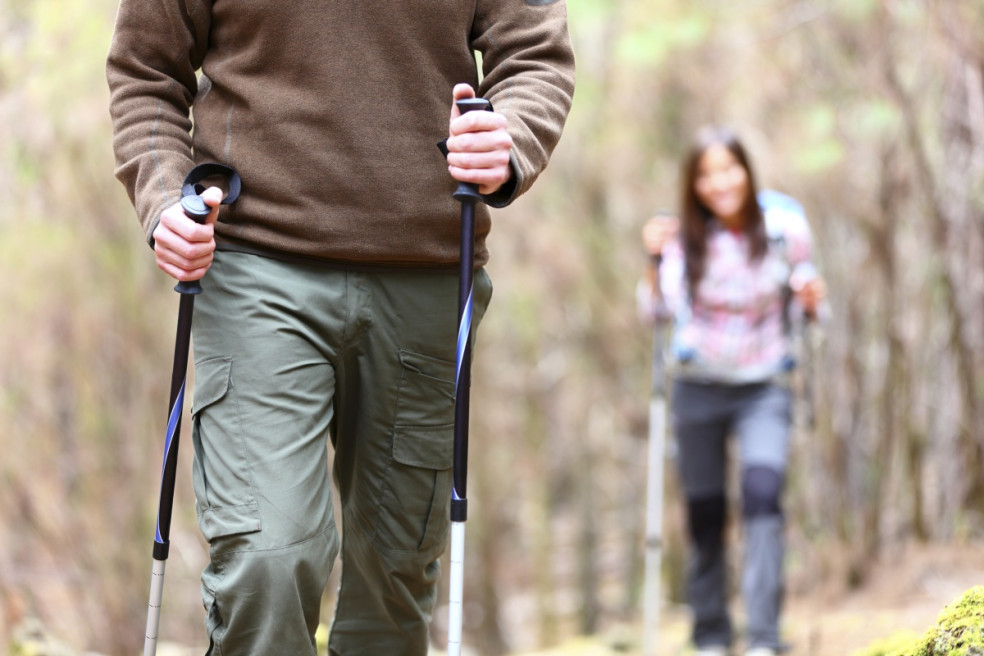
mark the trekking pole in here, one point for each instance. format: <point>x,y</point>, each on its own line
<point>808,410</point>
<point>467,194</point>
<point>654,486</point>
<point>194,208</point>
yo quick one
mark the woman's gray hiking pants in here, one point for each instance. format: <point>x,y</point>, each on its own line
<point>758,416</point>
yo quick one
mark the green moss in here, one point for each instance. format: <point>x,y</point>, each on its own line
<point>959,631</point>
<point>893,645</point>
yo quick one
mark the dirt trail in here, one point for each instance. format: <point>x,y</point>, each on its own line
<point>905,592</point>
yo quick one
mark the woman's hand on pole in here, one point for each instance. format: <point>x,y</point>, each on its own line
<point>658,232</point>
<point>184,249</point>
<point>810,295</point>
<point>478,145</point>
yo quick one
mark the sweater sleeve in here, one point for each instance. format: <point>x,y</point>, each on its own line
<point>157,48</point>
<point>528,68</point>
<point>800,241</point>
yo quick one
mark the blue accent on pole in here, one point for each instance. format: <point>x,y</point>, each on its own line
<point>464,333</point>
<point>173,421</point>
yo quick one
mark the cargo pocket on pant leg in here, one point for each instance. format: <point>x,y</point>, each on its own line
<point>221,474</point>
<point>224,498</point>
<point>413,513</point>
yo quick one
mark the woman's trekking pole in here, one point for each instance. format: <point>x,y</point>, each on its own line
<point>654,486</point>
<point>195,208</point>
<point>467,194</point>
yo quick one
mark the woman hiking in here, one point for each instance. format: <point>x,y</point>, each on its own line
<point>729,273</point>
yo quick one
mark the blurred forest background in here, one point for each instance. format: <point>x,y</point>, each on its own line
<point>871,112</point>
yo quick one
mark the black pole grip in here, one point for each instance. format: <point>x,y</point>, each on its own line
<point>467,191</point>
<point>195,209</point>
<point>194,205</point>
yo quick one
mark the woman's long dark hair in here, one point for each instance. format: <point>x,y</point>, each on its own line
<point>694,215</point>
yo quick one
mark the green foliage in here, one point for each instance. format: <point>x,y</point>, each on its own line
<point>820,149</point>
<point>876,117</point>
<point>79,29</point>
<point>651,43</point>
<point>584,12</point>
<point>855,10</point>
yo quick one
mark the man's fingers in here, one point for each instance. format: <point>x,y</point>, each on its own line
<point>487,158</point>
<point>482,177</point>
<point>478,145</point>
<point>213,198</point>
<point>180,252</point>
<point>174,221</point>
<point>183,259</point>
<point>484,141</point>
<point>476,123</point>
<point>461,91</point>
<point>184,248</point>
<point>183,252</point>
<point>480,157</point>
<point>180,273</point>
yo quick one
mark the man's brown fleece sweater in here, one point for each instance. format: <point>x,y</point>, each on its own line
<point>331,110</point>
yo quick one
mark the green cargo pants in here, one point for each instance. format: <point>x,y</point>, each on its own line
<point>286,356</point>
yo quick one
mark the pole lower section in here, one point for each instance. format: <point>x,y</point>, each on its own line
<point>456,589</point>
<point>154,608</point>
<point>654,526</point>
<point>654,496</point>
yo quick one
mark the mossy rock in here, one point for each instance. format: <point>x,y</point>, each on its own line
<point>959,631</point>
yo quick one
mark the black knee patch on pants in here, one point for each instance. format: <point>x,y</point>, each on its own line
<point>706,518</point>
<point>761,488</point>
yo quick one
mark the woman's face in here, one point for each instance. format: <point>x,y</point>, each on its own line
<point>722,185</point>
